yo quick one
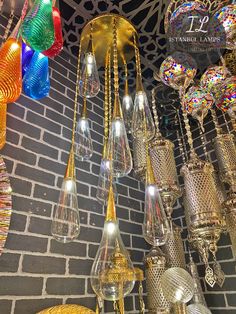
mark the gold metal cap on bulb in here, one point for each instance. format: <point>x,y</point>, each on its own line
<point>70,169</point>
<point>111,209</point>
<point>117,112</point>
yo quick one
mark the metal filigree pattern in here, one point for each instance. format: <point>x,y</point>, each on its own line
<point>225,149</point>
<point>155,266</point>
<point>139,158</point>
<point>67,309</point>
<point>230,60</point>
<point>174,248</point>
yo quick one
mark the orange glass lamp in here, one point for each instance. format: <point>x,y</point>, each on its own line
<point>10,71</point>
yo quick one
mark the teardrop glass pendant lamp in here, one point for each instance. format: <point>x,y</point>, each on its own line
<point>27,54</point>
<point>36,82</point>
<point>10,71</point>
<point>37,28</point>
<point>58,41</point>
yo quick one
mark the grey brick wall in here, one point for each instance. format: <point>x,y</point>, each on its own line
<point>36,271</point>
<point>220,300</point>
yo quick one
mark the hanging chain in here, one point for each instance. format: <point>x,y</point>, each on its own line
<point>154,110</point>
<point>204,143</point>
<point>181,141</point>
<point>106,107</point>
<point>115,58</point>
<point>126,78</point>
<point>188,133</point>
<point>139,84</point>
<point>8,27</point>
<point>109,91</point>
<point>141,301</point>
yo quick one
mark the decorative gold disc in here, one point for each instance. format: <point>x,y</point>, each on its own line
<point>102,26</point>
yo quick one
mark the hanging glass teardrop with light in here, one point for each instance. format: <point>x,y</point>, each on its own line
<point>83,140</point>
<point>112,274</point>
<point>156,227</point>
<point>89,73</point>
<point>36,81</point>
<point>142,121</point>
<point>37,28</point>
<point>66,224</point>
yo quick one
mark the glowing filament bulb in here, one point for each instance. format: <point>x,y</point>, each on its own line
<point>155,226</point>
<point>83,140</point>
<point>65,225</point>
<point>142,125</point>
<point>89,85</point>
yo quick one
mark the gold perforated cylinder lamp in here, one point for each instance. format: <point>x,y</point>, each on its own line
<point>156,263</point>
<point>230,214</point>
<point>174,248</point>
<point>225,149</point>
<point>139,159</point>
<point>203,211</point>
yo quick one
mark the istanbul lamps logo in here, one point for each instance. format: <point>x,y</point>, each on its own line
<point>193,30</point>
<point>202,22</point>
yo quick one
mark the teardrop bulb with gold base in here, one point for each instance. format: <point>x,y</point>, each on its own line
<point>156,227</point>
<point>112,276</point>
<point>66,223</point>
<point>83,140</point>
<point>142,123</point>
<point>89,84</point>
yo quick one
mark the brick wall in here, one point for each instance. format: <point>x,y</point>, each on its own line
<point>36,271</point>
<point>220,300</point>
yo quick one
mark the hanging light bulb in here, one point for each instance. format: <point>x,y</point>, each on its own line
<point>118,146</point>
<point>27,54</point>
<point>83,140</point>
<point>89,75</point>
<point>127,103</point>
<point>104,182</point>
<point>65,225</point>
<point>155,226</point>
<point>142,123</point>
<point>58,41</point>
<point>10,71</point>
<point>37,28</point>
<point>3,124</point>
<point>112,276</point>
<point>36,82</point>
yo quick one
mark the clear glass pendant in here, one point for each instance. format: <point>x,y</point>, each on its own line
<point>118,148</point>
<point>66,225</point>
<point>104,182</point>
<point>83,141</point>
<point>112,275</point>
<point>127,109</point>
<point>89,85</point>
<point>155,226</point>
<point>142,123</point>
